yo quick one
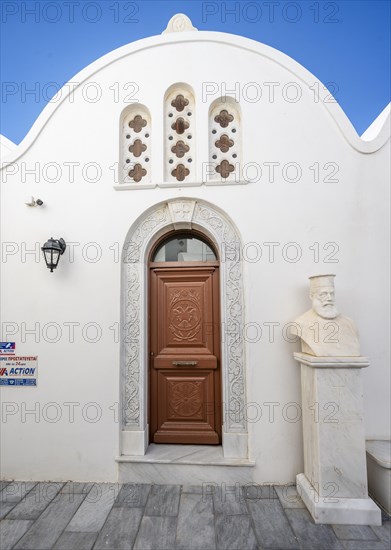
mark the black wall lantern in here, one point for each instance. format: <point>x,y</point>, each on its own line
<point>52,250</point>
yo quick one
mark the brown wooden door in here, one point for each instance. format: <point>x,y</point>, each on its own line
<point>185,393</point>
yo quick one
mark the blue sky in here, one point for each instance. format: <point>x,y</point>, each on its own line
<point>345,43</point>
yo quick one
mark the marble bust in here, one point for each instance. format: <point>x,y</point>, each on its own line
<point>323,331</point>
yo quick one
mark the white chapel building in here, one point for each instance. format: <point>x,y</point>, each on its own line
<point>197,180</point>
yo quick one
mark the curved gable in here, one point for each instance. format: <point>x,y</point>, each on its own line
<point>218,61</point>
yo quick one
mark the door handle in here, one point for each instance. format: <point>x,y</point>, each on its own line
<point>185,363</point>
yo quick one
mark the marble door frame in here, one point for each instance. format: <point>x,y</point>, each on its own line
<point>151,225</point>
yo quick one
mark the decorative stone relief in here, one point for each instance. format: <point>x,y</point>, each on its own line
<point>181,213</point>
<point>135,151</point>
<point>224,141</point>
<point>134,367</point>
<point>179,23</point>
<point>184,314</point>
<point>132,333</point>
<point>185,398</point>
<point>179,134</point>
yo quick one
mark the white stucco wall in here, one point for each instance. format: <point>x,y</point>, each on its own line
<point>351,212</point>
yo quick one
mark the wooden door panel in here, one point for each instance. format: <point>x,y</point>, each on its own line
<point>186,407</point>
<point>185,355</point>
<point>184,313</point>
<point>186,397</point>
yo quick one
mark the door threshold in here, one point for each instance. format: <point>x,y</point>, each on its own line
<point>202,455</point>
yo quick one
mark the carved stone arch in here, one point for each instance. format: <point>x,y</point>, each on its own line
<point>181,214</point>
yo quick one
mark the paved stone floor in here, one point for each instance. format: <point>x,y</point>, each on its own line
<point>81,516</point>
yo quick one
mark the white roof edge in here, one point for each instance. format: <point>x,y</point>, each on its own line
<point>333,108</point>
<point>7,147</point>
<point>7,142</point>
<point>379,125</point>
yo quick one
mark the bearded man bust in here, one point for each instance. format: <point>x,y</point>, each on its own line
<point>323,331</point>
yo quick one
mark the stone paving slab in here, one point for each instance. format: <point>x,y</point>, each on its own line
<point>35,502</point>
<point>72,488</point>
<point>16,490</point>
<point>11,531</point>
<point>384,532</point>
<point>96,516</point>
<point>235,532</point>
<point>229,503</point>
<point>120,529</point>
<point>4,484</point>
<point>5,508</point>
<point>253,491</point>
<point>73,541</point>
<point>48,527</point>
<point>163,500</point>
<point>354,532</point>
<point>271,524</point>
<point>156,532</point>
<point>364,545</point>
<point>195,529</point>
<point>133,495</point>
<point>289,497</point>
<point>311,535</point>
<point>96,506</point>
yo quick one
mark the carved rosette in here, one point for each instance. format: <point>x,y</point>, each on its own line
<point>185,398</point>
<point>136,138</point>
<point>224,142</point>
<point>180,135</point>
<point>184,315</point>
<point>135,284</point>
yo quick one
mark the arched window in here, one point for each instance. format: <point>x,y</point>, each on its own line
<point>184,247</point>
<point>179,110</point>
<point>224,140</point>
<point>135,158</point>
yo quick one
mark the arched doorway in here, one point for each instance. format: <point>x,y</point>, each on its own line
<point>184,340</point>
<point>216,226</point>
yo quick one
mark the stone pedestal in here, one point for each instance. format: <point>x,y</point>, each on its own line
<point>334,483</point>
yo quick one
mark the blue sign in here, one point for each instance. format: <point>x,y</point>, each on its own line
<point>18,370</point>
<point>18,382</point>
<point>7,348</point>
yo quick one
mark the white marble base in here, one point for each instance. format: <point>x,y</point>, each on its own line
<point>333,426</point>
<point>379,472</point>
<point>334,483</point>
<point>235,445</point>
<point>134,442</point>
<point>345,511</point>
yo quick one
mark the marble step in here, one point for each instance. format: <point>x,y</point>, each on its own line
<point>184,464</point>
